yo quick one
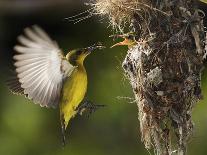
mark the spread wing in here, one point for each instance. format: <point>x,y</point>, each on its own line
<point>40,68</point>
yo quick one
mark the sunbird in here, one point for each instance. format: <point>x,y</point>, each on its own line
<point>47,77</point>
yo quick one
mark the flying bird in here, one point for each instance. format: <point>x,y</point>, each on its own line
<point>47,77</point>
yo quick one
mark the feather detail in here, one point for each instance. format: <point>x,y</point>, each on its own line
<point>41,68</point>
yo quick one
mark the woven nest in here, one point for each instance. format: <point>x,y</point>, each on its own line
<point>164,69</point>
<point>119,12</point>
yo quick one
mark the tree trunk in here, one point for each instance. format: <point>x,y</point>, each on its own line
<point>164,67</point>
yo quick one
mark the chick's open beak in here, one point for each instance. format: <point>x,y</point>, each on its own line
<point>128,39</point>
<point>126,42</point>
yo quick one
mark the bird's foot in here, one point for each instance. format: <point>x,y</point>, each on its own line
<point>89,107</point>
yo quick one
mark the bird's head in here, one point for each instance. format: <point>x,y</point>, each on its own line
<point>77,56</point>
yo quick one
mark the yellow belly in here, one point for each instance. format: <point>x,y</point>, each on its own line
<point>73,92</point>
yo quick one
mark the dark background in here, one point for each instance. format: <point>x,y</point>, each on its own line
<point>27,129</point>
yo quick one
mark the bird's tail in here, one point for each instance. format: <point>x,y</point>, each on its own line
<point>62,122</point>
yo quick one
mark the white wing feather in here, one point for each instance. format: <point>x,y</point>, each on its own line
<point>40,67</point>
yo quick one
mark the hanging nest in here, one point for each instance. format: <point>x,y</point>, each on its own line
<point>119,12</point>
<point>164,67</point>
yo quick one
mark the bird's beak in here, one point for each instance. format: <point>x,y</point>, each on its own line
<point>94,47</point>
<point>126,42</point>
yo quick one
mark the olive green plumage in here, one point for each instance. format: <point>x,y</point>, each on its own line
<point>47,77</point>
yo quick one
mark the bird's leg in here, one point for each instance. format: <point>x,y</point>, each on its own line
<point>88,106</point>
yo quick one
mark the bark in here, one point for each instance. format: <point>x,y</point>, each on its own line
<point>164,68</point>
